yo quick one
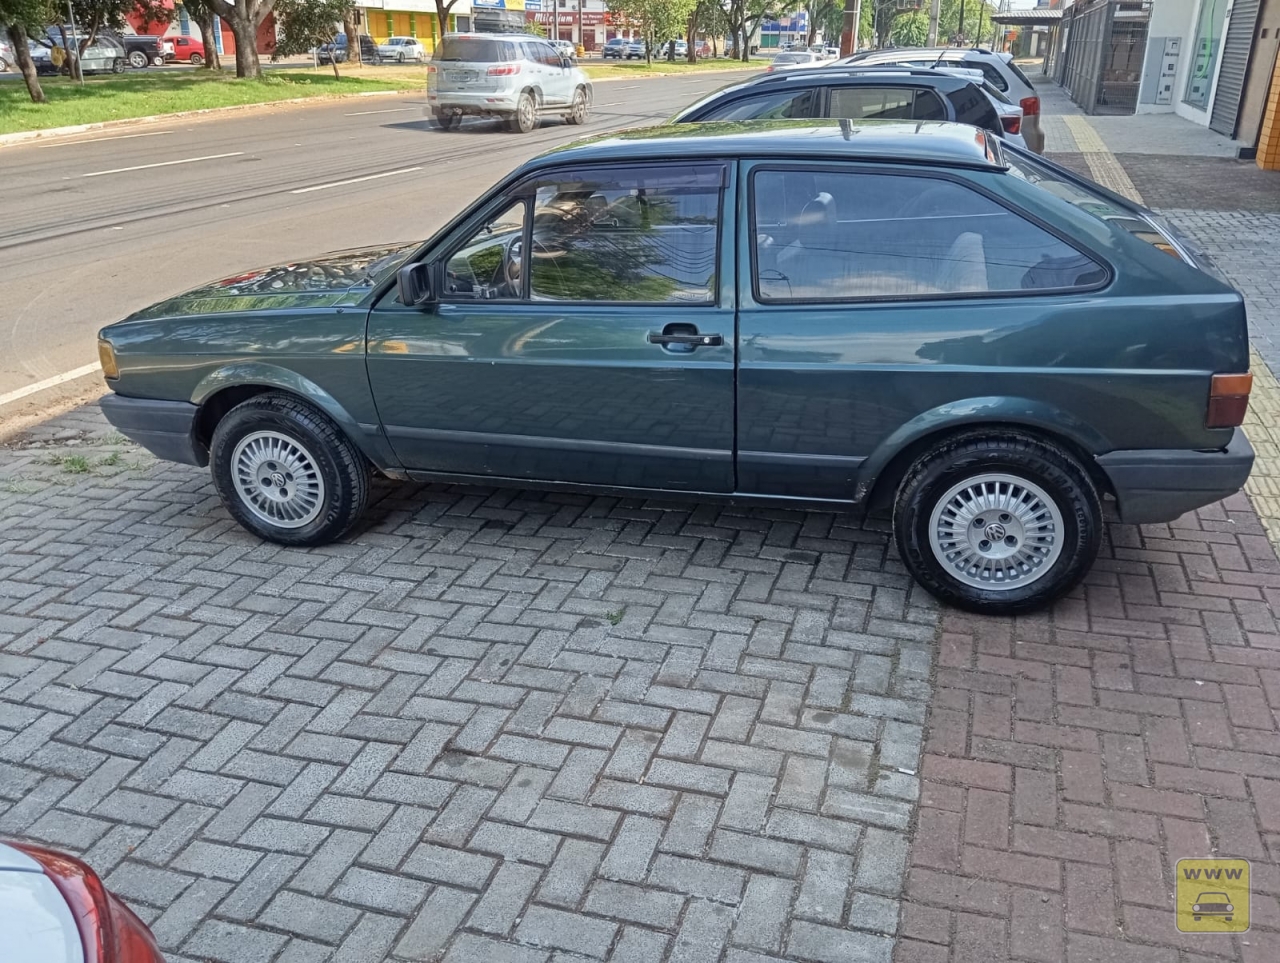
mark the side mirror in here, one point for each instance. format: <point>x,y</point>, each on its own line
<point>413,281</point>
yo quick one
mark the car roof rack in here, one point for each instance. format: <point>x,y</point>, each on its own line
<point>858,70</point>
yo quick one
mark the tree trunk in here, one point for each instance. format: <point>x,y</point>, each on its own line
<point>354,54</point>
<point>204,20</point>
<point>246,34</point>
<point>18,40</point>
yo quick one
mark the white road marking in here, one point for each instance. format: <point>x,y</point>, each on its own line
<point>354,180</point>
<point>20,393</point>
<point>616,103</point>
<point>632,87</point>
<point>95,140</point>
<point>389,110</point>
<point>143,167</point>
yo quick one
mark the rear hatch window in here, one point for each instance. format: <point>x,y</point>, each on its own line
<point>1017,72</point>
<point>1140,223</point>
<point>472,50</point>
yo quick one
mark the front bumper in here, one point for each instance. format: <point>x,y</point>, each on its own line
<point>164,428</point>
<point>1159,485</point>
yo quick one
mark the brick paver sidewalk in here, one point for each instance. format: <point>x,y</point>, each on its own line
<point>504,727</point>
<point>1073,758</point>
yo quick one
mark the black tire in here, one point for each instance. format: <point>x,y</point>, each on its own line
<point>525,118</point>
<point>1058,476</point>
<point>448,121</point>
<point>138,59</point>
<point>118,65</point>
<point>196,60</point>
<point>578,110</point>
<point>400,57</point>
<point>342,470</point>
<point>158,61</point>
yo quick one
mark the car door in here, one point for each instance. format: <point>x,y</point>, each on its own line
<point>872,295</point>
<point>557,87</point>
<point>583,333</point>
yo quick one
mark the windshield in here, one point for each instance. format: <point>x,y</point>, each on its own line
<point>469,50</point>
<point>791,58</point>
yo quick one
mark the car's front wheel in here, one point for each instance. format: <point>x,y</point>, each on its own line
<point>286,472</point>
<point>997,522</point>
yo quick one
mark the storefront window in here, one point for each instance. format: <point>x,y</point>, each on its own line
<point>1204,53</point>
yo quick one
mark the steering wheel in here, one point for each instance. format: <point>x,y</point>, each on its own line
<point>512,265</point>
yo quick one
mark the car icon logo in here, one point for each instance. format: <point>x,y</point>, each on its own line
<point>1213,904</point>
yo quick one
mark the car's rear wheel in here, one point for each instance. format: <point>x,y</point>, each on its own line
<point>448,121</point>
<point>119,65</point>
<point>138,59</point>
<point>158,61</point>
<point>526,116</point>
<point>400,57</point>
<point>997,522</point>
<point>578,109</point>
<point>286,472</point>
<point>196,60</point>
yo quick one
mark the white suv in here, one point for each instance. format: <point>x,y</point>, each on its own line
<point>998,68</point>
<point>508,75</point>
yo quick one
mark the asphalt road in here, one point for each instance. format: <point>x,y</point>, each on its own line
<point>98,225</point>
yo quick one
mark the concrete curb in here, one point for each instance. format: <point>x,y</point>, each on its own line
<point>24,136</point>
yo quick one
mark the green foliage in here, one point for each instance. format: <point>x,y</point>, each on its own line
<point>32,15</point>
<point>304,24</point>
<point>910,29</point>
<point>657,20</point>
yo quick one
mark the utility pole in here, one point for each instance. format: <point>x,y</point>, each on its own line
<point>849,29</point>
<point>935,14</point>
<point>960,26</point>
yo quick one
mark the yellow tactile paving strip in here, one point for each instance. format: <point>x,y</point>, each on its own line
<point>1262,423</point>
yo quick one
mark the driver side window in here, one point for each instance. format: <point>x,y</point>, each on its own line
<point>490,265</point>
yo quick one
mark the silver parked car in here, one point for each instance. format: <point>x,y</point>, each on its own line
<point>401,49</point>
<point>998,68</point>
<point>515,77</point>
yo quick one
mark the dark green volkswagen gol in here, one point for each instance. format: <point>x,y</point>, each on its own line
<point>853,315</point>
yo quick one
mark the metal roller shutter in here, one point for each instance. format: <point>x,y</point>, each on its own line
<point>1235,62</point>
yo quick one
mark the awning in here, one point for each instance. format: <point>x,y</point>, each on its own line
<point>1027,18</point>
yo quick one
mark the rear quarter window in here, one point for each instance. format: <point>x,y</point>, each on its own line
<point>996,78</point>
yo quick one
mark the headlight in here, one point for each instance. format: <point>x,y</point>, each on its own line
<point>107,357</point>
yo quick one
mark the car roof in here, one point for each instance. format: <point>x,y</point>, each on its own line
<point>495,36</point>
<point>844,73</point>
<point>929,142</point>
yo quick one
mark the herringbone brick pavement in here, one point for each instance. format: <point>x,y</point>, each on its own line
<point>490,726</point>
<point>1075,756</point>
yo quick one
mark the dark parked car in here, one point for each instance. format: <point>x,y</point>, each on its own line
<point>870,93</point>
<point>852,315</point>
<point>144,50</point>
<point>338,50</point>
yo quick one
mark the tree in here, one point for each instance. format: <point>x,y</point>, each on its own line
<point>309,23</point>
<point>201,11</point>
<point>18,18</point>
<point>911,29</point>
<point>244,17</point>
<point>657,20</point>
<point>443,9</point>
<point>819,15</point>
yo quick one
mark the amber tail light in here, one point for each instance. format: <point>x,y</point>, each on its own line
<point>1228,400</point>
<point>109,930</point>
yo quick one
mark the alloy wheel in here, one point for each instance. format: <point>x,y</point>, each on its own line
<point>277,479</point>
